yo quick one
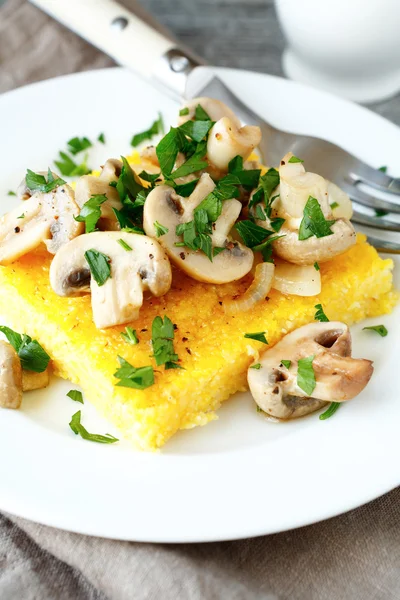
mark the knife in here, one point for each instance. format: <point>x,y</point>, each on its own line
<point>133,43</point>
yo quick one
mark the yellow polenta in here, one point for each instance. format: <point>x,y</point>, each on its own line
<point>210,344</point>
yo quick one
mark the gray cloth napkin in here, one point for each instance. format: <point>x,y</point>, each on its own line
<point>354,556</point>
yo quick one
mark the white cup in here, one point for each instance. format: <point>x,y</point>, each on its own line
<point>349,47</point>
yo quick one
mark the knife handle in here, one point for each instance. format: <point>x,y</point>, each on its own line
<point>126,38</point>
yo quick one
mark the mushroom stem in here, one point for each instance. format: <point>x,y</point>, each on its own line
<point>10,377</point>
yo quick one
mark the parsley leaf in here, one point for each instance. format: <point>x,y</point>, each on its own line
<point>260,214</point>
<point>185,189</point>
<point>77,144</point>
<point>90,212</point>
<point>200,114</point>
<point>313,221</point>
<point>196,130</point>
<point>124,245</point>
<point>160,229</point>
<point>332,408</point>
<point>383,169</point>
<point>305,375</point>
<point>277,223</point>
<point>125,223</point>
<point>294,159</point>
<point>320,315</point>
<point>101,138</point>
<point>249,178</point>
<point>38,183</point>
<point>33,357</point>
<point>268,182</point>
<point>130,336</point>
<point>78,428</point>
<point>99,265</point>
<point>316,266</point>
<point>379,212</point>
<point>162,339</point>
<point>11,193</point>
<point>334,205</point>
<point>286,363</point>
<point>380,329</point>
<point>75,395</point>
<point>195,163</point>
<point>167,151</point>
<point>251,234</point>
<point>256,366</point>
<point>131,377</point>
<point>261,247</point>
<point>184,111</point>
<point>70,168</point>
<point>156,128</point>
<point>259,337</point>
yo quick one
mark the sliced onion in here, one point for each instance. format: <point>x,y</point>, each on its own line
<point>344,210</point>
<point>297,279</point>
<point>257,291</point>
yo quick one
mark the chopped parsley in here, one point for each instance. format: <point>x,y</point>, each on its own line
<point>156,128</point>
<point>37,183</point>
<point>185,189</point>
<point>196,130</point>
<point>195,163</point>
<point>251,233</point>
<point>75,395</point>
<point>313,221</point>
<point>138,378</point>
<point>184,111</point>
<point>329,411</point>
<point>268,182</point>
<point>294,159</point>
<point>79,429</point>
<point>286,363</point>
<point>101,138</point>
<point>125,223</point>
<point>259,336</point>
<point>30,352</point>
<point>11,193</point>
<point>380,329</point>
<point>162,340</point>
<point>90,212</point>
<point>124,245</point>
<point>379,212</point>
<point>305,375</point>
<point>200,114</point>
<point>69,168</point>
<point>383,169</point>
<point>277,223</point>
<point>99,265</point>
<point>256,366</point>
<point>259,213</point>
<point>130,336</point>
<point>249,178</point>
<point>316,266</point>
<point>320,315</point>
<point>77,144</point>
<point>160,229</point>
<point>21,216</point>
<point>334,205</point>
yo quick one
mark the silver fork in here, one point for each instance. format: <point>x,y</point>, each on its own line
<point>137,45</point>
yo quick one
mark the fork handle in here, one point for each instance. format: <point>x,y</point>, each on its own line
<point>126,38</point>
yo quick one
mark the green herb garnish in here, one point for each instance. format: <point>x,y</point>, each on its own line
<point>160,229</point>
<point>156,128</point>
<point>249,178</point>
<point>196,130</point>
<point>184,111</point>
<point>286,363</point>
<point>79,429</point>
<point>162,339</point>
<point>75,395</point>
<point>77,144</point>
<point>305,375</point>
<point>101,138</point>
<point>383,169</point>
<point>200,114</point>
<point>379,212</point>
<point>313,221</point>
<point>30,352</point>
<point>21,216</point>
<point>380,329</point>
<point>320,315</point>
<point>99,265</point>
<point>316,266</point>
<point>132,377</point>
<point>124,245</point>
<point>70,168</point>
<point>268,182</point>
<point>185,189</point>
<point>294,159</point>
<point>90,212</point>
<point>130,336</point>
<point>277,223</point>
<point>11,193</point>
<point>251,233</point>
<point>334,205</point>
<point>259,336</point>
<point>329,411</point>
<point>256,366</point>
<point>259,213</point>
<point>37,183</point>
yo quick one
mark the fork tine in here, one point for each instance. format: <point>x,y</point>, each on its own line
<point>378,179</point>
<point>367,200</point>
<point>384,245</point>
<point>376,222</point>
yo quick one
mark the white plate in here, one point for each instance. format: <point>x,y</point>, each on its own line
<point>239,476</point>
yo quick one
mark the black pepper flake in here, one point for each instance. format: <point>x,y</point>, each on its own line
<point>175,326</point>
<point>282,162</point>
<point>220,303</point>
<point>182,255</point>
<point>150,255</point>
<point>185,339</point>
<point>143,330</point>
<point>188,350</point>
<point>267,298</point>
<point>17,229</point>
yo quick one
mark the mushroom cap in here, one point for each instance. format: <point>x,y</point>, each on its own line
<point>10,377</point>
<point>169,209</point>
<point>24,192</point>
<point>215,109</point>
<point>118,300</point>
<point>307,252</point>
<point>89,185</point>
<point>226,140</point>
<point>338,376</point>
<point>45,217</point>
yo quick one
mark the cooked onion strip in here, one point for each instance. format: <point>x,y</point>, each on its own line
<point>298,280</point>
<point>257,291</point>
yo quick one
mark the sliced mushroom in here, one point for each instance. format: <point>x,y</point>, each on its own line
<point>34,381</point>
<point>24,192</point>
<point>170,210</point>
<point>338,377</point>
<point>10,377</point>
<point>215,109</point>
<point>89,185</point>
<point>45,217</point>
<point>226,140</point>
<point>118,300</point>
